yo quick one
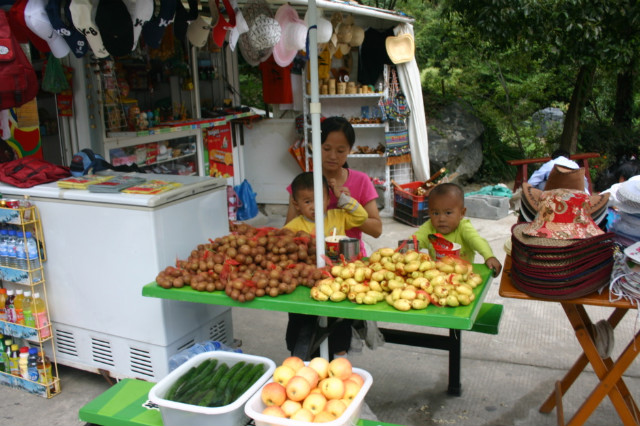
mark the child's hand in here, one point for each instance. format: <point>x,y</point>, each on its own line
<point>495,265</point>
<point>337,190</point>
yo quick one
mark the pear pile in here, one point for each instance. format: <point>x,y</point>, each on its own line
<point>406,281</point>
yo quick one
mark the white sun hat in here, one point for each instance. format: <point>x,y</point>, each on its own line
<point>325,29</point>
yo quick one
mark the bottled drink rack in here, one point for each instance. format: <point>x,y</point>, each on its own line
<point>26,218</point>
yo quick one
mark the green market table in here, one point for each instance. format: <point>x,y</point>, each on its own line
<point>477,316</point>
<point>126,404</point>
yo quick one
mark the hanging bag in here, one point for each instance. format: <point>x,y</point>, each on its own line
<point>18,81</point>
<point>248,207</point>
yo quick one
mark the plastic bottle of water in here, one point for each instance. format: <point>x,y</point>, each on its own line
<point>32,364</point>
<point>33,257</point>
<point>11,249</point>
<point>4,254</point>
<point>21,252</point>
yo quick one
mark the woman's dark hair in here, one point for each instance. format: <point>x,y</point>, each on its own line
<point>338,124</point>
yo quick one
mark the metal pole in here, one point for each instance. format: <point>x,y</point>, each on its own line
<point>315,110</point>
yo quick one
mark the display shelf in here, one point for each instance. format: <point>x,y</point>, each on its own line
<point>345,96</point>
<point>25,332</point>
<point>369,126</point>
<point>45,390</point>
<point>378,156</point>
<point>25,217</point>
<point>168,160</point>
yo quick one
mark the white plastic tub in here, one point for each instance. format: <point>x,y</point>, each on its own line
<point>179,414</point>
<point>255,407</point>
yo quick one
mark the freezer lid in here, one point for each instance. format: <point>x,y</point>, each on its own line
<point>191,185</point>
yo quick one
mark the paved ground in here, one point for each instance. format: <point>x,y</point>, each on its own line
<point>505,377</point>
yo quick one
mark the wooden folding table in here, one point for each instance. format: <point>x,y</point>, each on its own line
<point>609,372</point>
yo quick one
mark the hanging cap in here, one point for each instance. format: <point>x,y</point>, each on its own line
<point>141,11</point>
<point>115,25</point>
<point>83,15</point>
<point>182,18</point>
<point>153,30</point>
<point>226,21</point>
<point>60,18</point>
<point>199,30</point>
<point>400,48</point>
<point>19,27</point>
<point>37,20</point>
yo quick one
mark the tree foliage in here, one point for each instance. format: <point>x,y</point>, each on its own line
<point>510,58</point>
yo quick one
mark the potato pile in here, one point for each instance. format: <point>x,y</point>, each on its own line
<point>410,280</point>
<point>250,262</point>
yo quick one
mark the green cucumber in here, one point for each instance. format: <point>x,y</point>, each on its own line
<point>198,383</point>
<point>256,372</point>
<point>171,393</point>
<point>225,381</point>
<point>229,392</point>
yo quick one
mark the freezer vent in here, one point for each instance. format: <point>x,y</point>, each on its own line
<point>66,342</point>
<point>101,350</point>
<point>186,345</point>
<point>218,332</point>
<point>141,362</point>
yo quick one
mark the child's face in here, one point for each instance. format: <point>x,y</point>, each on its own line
<point>446,211</point>
<point>304,203</point>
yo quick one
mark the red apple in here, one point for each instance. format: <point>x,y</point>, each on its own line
<point>321,366</point>
<point>283,374</point>
<point>357,378</point>
<point>298,388</point>
<point>289,407</point>
<point>294,362</point>
<point>332,388</point>
<point>275,411</point>
<point>340,368</point>
<point>303,415</point>
<point>335,407</point>
<point>314,402</point>
<point>324,417</point>
<point>351,389</point>
<point>310,374</point>
<point>273,394</point>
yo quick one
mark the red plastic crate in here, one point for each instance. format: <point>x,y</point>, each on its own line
<point>417,204</point>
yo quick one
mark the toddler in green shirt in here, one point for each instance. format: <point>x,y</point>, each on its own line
<point>446,216</point>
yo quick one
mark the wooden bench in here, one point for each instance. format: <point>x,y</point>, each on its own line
<point>522,174</point>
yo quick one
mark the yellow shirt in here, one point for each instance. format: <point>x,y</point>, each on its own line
<point>349,215</point>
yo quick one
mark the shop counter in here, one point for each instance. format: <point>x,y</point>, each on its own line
<point>127,404</point>
<point>477,316</point>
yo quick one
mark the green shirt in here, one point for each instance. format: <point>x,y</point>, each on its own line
<point>465,235</point>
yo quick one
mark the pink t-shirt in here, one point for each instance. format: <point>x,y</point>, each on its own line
<point>362,189</point>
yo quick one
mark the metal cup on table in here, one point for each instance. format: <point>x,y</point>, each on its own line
<point>349,248</point>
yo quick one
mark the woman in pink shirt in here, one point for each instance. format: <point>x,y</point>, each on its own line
<point>338,138</point>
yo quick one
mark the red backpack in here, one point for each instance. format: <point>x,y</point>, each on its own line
<point>18,81</point>
<point>29,171</point>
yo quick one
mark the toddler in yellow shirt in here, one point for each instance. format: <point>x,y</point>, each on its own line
<point>349,214</point>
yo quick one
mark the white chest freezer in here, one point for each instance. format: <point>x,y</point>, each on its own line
<point>102,249</point>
